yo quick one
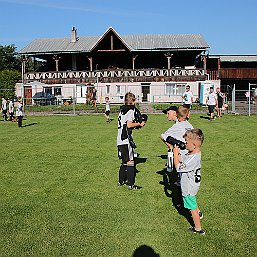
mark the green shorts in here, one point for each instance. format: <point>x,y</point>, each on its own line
<point>190,202</point>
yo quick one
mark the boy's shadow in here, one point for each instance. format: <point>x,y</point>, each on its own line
<point>139,160</point>
<point>204,117</point>
<point>31,124</point>
<point>173,190</point>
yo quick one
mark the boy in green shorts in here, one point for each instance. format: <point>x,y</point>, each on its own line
<point>189,166</point>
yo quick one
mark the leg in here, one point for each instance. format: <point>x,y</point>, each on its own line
<point>122,174</point>
<point>131,173</point>
<point>20,121</point>
<point>196,219</point>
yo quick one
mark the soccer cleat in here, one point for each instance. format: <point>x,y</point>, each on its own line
<point>194,231</point>
<point>120,184</point>
<point>201,215</point>
<point>134,187</point>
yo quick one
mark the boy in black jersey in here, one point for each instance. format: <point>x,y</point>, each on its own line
<point>126,122</point>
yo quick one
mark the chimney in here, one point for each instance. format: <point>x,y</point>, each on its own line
<point>74,35</point>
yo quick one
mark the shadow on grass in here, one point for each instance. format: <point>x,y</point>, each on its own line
<point>173,191</point>
<point>204,117</point>
<point>31,124</point>
<point>145,251</point>
<point>137,161</point>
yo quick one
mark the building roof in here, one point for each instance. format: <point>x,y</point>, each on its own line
<point>235,58</point>
<point>134,42</point>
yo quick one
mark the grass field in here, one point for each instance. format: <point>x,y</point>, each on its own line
<point>59,193</point>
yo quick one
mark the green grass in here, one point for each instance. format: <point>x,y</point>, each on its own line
<point>59,194</point>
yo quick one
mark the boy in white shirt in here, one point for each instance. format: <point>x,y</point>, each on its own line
<point>211,101</point>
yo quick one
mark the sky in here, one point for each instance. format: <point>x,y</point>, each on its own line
<point>228,26</point>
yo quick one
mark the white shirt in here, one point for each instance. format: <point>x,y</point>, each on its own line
<point>187,97</point>
<point>212,97</point>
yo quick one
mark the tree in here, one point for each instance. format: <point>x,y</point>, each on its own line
<point>9,71</point>
<point>8,58</point>
<point>8,79</point>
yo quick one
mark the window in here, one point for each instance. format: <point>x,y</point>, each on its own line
<point>174,89</point>
<point>180,89</point>
<point>57,91</point>
<point>170,88</point>
<point>48,90</point>
<point>118,89</point>
<point>107,89</point>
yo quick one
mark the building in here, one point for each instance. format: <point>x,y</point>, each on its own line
<point>156,68</point>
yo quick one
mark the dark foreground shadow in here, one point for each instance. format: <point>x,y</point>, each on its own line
<point>145,251</point>
<point>173,191</point>
<point>31,124</point>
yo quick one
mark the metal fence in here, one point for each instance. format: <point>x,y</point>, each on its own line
<point>242,101</point>
<point>239,102</point>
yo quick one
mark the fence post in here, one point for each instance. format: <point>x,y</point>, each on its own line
<point>234,99</point>
<point>74,99</point>
<point>249,100</point>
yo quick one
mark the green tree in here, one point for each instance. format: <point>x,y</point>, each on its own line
<point>9,70</point>
<point>8,58</point>
<point>8,79</point>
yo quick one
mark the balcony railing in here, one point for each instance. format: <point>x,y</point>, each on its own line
<point>238,73</point>
<point>108,76</point>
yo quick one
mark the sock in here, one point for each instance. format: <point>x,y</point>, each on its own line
<point>131,175</point>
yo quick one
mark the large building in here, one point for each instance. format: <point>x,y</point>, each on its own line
<point>154,67</point>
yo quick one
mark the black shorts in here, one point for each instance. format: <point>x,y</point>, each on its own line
<point>107,112</point>
<point>220,104</point>
<point>125,153</point>
<point>211,108</point>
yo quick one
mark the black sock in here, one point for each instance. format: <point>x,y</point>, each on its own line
<point>131,175</point>
<point>122,174</point>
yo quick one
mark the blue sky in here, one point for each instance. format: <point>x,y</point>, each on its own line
<point>229,26</point>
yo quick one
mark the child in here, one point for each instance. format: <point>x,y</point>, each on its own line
<point>126,122</point>
<point>107,109</point>
<point>19,113</point>
<point>189,166</point>
<point>178,130</point>
<point>211,101</point>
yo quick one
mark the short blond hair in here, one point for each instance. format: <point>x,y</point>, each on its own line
<point>182,112</point>
<point>196,135</point>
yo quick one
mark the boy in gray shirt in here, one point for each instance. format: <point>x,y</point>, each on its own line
<point>189,166</point>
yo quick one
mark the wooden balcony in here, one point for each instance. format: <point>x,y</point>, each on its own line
<point>238,73</point>
<point>113,76</point>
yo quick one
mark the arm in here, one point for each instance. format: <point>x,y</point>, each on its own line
<point>168,145</point>
<point>177,159</point>
<point>131,124</point>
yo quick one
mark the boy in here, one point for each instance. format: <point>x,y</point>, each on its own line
<point>19,113</point>
<point>189,166</point>
<point>177,131</point>
<point>4,109</point>
<point>125,144</point>
<point>211,101</point>
<point>107,109</point>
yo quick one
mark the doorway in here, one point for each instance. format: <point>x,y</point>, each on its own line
<point>145,92</point>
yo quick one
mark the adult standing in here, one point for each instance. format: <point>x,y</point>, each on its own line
<point>220,100</point>
<point>20,113</point>
<point>187,97</point>
<point>4,109</point>
<point>211,101</point>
